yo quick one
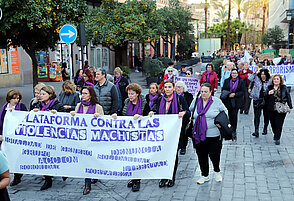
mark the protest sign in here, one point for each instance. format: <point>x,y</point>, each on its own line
<point>269,56</point>
<point>81,146</point>
<point>283,52</point>
<point>192,83</point>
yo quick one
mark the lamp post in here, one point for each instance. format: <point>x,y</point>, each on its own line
<point>289,17</point>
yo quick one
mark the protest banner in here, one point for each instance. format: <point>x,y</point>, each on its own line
<point>192,83</point>
<point>286,71</point>
<point>269,56</point>
<point>82,146</point>
<point>283,52</point>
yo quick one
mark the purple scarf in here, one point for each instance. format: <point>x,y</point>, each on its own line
<point>89,84</point>
<point>207,75</point>
<point>79,78</point>
<point>291,62</point>
<point>174,104</point>
<point>200,127</point>
<point>17,107</point>
<point>67,93</point>
<point>136,110</point>
<point>46,107</point>
<point>233,86</point>
<point>152,99</point>
<point>91,109</point>
<point>117,80</point>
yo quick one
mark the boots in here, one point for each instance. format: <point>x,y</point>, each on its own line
<point>47,184</point>
<point>87,189</point>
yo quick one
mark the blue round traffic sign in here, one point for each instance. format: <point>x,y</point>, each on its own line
<point>68,33</point>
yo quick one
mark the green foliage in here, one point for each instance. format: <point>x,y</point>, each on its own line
<point>273,37</point>
<point>153,67</point>
<point>186,46</point>
<point>126,70</point>
<point>216,64</point>
<point>165,61</point>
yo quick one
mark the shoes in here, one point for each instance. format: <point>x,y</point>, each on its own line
<point>64,178</point>
<point>87,189</point>
<point>241,111</point>
<point>136,186</point>
<point>183,151</point>
<point>94,181</point>
<point>130,184</point>
<point>256,134</point>
<point>234,136</point>
<point>264,132</point>
<point>15,181</point>
<point>162,183</point>
<point>277,142</point>
<point>218,177</point>
<point>47,184</point>
<point>170,183</point>
<point>203,179</point>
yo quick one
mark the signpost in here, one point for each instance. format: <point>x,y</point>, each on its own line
<point>68,34</point>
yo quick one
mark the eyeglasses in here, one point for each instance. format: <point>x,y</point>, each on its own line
<point>188,73</point>
<point>204,92</point>
<point>170,71</point>
<point>179,87</point>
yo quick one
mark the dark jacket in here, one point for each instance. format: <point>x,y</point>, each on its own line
<point>34,103</point>
<point>57,106</point>
<point>285,96</point>
<point>72,100</point>
<point>238,100</point>
<point>189,98</point>
<point>123,83</point>
<point>156,102</point>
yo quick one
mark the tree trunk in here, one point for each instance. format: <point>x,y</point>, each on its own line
<point>31,53</point>
<point>143,48</point>
<point>263,18</point>
<point>205,11</point>
<point>229,24</point>
<point>239,13</point>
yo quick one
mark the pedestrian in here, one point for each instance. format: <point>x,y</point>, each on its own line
<point>210,77</point>
<point>279,103</point>
<point>183,71</point>
<point>171,103</point>
<point>261,80</point>
<point>4,178</point>
<point>65,72</point>
<point>152,98</point>
<point>289,60</point>
<point>234,99</point>
<point>106,92</point>
<point>78,76</point>
<point>121,82</point>
<point>182,90</point>
<point>88,78</point>
<point>205,135</point>
<point>168,76</point>
<point>88,105</point>
<point>226,72</point>
<point>244,73</point>
<point>68,96</point>
<point>134,106</point>
<point>36,99</point>
<point>175,71</point>
<point>189,73</point>
<point>48,103</point>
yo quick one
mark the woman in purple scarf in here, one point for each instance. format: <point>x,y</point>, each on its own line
<point>171,103</point>
<point>235,88</point>
<point>134,106</point>
<point>205,135</point>
<point>88,105</point>
<point>152,97</point>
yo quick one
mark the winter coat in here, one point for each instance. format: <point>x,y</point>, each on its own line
<point>213,81</point>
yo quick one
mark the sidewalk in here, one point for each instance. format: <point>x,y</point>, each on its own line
<point>253,169</point>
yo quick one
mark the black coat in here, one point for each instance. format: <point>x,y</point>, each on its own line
<point>156,102</point>
<point>238,100</point>
<point>72,100</point>
<point>285,96</point>
<point>189,97</point>
<point>123,83</point>
<point>57,106</point>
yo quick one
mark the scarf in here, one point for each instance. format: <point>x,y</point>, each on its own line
<point>200,127</point>
<point>162,106</point>
<point>233,86</point>
<point>291,62</point>
<point>117,80</point>
<point>134,110</point>
<point>170,77</point>
<point>89,84</point>
<point>91,109</point>
<point>67,93</point>
<point>152,99</point>
<point>17,107</point>
<point>47,107</point>
<point>207,75</point>
<point>79,78</point>
<point>182,94</point>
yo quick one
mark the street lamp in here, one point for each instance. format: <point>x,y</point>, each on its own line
<point>289,17</point>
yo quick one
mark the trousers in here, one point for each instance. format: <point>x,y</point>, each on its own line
<point>233,117</point>
<point>277,122</point>
<point>257,114</point>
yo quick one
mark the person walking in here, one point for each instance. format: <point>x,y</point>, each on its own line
<point>78,77</point>
<point>36,99</point>
<point>134,106</point>
<point>171,103</point>
<point>88,78</point>
<point>279,103</point>
<point>244,73</point>
<point>261,80</point>
<point>182,90</point>
<point>4,178</point>
<point>209,76</point>
<point>48,102</point>
<point>106,92</point>
<point>169,76</point>
<point>88,105</point>
<point>152,98</point>
<point>121,82</point>
<point>226,72</point>
<point>206,135</point>
<point>68,96</point>
<point>234,89</point>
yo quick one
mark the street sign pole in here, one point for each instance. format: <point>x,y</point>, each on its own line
<point>70,61</point>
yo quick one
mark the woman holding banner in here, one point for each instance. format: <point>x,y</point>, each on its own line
<point>134,106</point>
<point>88,105</point>
<point>171,103</point>
<point>4,178</point>
<point>209,76</point>
<point>206,136</point>
<point>48,102</point>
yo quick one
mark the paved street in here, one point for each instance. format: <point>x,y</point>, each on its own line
<point>252,169</point>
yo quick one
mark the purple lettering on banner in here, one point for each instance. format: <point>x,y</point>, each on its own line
<point>192,83</point>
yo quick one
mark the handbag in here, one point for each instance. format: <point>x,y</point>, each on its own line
<point>226,128</point>
<point>224,94</point>
<point>281,107</point>
<point>190,126</point>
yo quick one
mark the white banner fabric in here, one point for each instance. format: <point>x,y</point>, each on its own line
<point>59,144</point>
